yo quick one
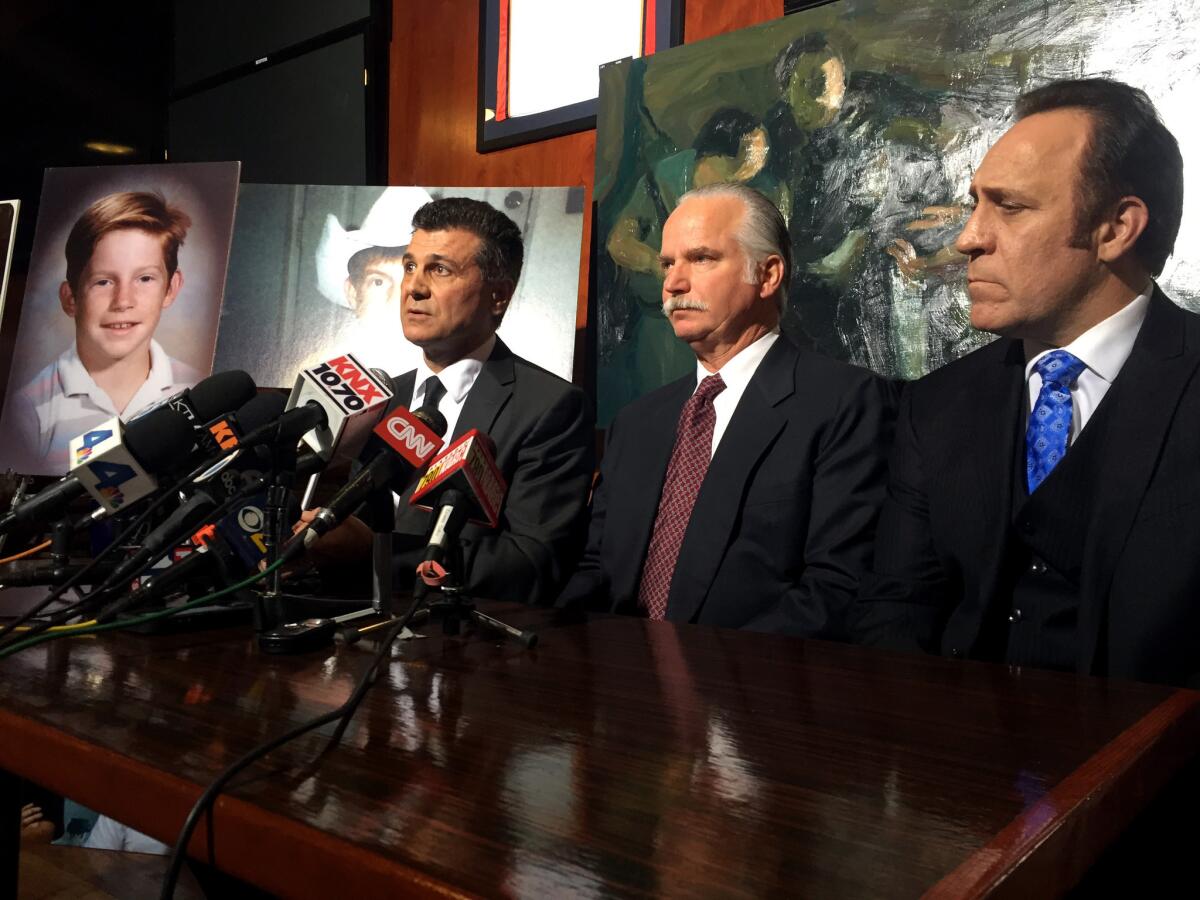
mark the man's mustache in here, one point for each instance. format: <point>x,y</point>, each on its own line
<point>683,302</point>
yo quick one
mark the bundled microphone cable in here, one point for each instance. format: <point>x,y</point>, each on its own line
<point>97,628</point>
<point>259,408</point>
<point>78,577</point>
<point>341,715</point>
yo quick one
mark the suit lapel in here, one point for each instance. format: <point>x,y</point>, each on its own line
<point>636,502</point>
<point>490,392</point>
<point>1144,398</point>
<point>403,388</point>
<point>993,413</point>
<point>751,430</point>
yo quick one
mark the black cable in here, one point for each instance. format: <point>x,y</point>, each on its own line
<point>8,627</point>
<point>344,712</point>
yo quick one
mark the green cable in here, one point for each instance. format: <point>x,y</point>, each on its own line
<point>142,619</point>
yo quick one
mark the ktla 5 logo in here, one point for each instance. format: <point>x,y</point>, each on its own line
<point>347,383</point>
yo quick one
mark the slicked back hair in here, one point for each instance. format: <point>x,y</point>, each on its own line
<point>763,230</point>
<point>501,249</point>
<point>1129,152</point>
<point>140,210</point>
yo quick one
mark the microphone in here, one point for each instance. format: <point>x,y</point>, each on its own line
<point>227,430</point>
<point>237,462</point>
<point>116,464</point>
<point>212,397</point>
<point>39,572</point>
<point>212,560</point>
<point>462,484</point>
<point>331,407</point>
<point>409,440</point>
<point>226,549</point>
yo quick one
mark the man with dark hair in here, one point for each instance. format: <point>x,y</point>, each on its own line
<point>1044,489</point>
<point>461,268</point>
<point>745,494</point>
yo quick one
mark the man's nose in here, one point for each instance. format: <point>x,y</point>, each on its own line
<point>973,239</point>
<point>675,281</point>
<point>414,285</point>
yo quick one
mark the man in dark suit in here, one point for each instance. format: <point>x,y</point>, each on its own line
<point>744,495</point>
<point>460,270</point>
<point>1044,490</point>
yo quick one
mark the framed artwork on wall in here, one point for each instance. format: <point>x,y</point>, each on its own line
<point>539,61</point>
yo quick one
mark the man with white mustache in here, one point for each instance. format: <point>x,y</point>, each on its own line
<point>744,495</point>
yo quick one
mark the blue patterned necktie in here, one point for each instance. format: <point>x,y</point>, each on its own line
<point>1049,429</point>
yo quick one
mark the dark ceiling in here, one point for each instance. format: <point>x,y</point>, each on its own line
<point>75,72</point>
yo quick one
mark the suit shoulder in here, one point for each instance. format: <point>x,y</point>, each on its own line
<point>530,374</point>
<point>965,369</point>
<point>652,402</point>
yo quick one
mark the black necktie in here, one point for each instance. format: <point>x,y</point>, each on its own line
<point>434,392</point>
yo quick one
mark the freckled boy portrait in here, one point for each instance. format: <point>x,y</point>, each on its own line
<point>121,304</point>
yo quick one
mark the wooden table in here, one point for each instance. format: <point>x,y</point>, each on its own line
<point>621,757</point>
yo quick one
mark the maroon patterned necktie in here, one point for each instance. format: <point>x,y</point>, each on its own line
<point>685,473</point>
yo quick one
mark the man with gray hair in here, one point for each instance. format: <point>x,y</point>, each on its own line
<point>743,495</point>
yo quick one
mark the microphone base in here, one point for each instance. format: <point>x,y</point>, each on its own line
<point>456,610</point>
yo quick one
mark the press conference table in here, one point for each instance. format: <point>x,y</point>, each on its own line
<point>619,758</point>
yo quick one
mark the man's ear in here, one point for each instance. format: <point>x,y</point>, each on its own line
<point>771,275</point>
<point>1119,232</point>
<point>66,297</point>
<point>501,295</point>
<point>174,286</point>
<point>350,293</point>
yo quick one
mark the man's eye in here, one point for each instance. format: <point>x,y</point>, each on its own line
<point>377,282</point>
<point>441,270</point>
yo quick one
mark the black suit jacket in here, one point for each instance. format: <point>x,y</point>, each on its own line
<point>782,526</point>
<point>942,535</point>
<point>544,431</point>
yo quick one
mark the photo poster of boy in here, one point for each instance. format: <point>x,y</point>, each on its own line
<point>317,271</point>
<point>8,236</point>
<point>121,304</point>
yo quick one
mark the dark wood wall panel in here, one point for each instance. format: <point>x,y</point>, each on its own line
<point>434,72</point>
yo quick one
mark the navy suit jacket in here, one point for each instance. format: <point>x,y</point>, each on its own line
<point>782,526</point>
<point>944,528</point>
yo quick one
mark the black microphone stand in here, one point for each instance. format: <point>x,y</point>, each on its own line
<point>280,480</point>
<point>455,607</point>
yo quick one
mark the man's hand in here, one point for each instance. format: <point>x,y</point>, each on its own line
<point>349,542</point>
<point>34,828</point>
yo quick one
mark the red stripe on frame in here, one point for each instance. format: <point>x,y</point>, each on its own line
<point>649,21</point>
<point>502,64</point>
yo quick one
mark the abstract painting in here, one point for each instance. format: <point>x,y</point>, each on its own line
<point>862,120</point>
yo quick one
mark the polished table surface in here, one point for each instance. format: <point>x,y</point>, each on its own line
<point>620,757</point>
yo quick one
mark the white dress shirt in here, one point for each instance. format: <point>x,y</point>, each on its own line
<point>736,373</point>
<point>1103,349</point>
<point>458,378</point>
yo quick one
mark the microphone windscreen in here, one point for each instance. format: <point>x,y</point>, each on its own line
<point>221,393</point>
<point>434,419</point>
<point>159,439</point>
<point>260,410</point>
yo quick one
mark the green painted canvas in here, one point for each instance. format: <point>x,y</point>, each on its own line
<point>862,120</point>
